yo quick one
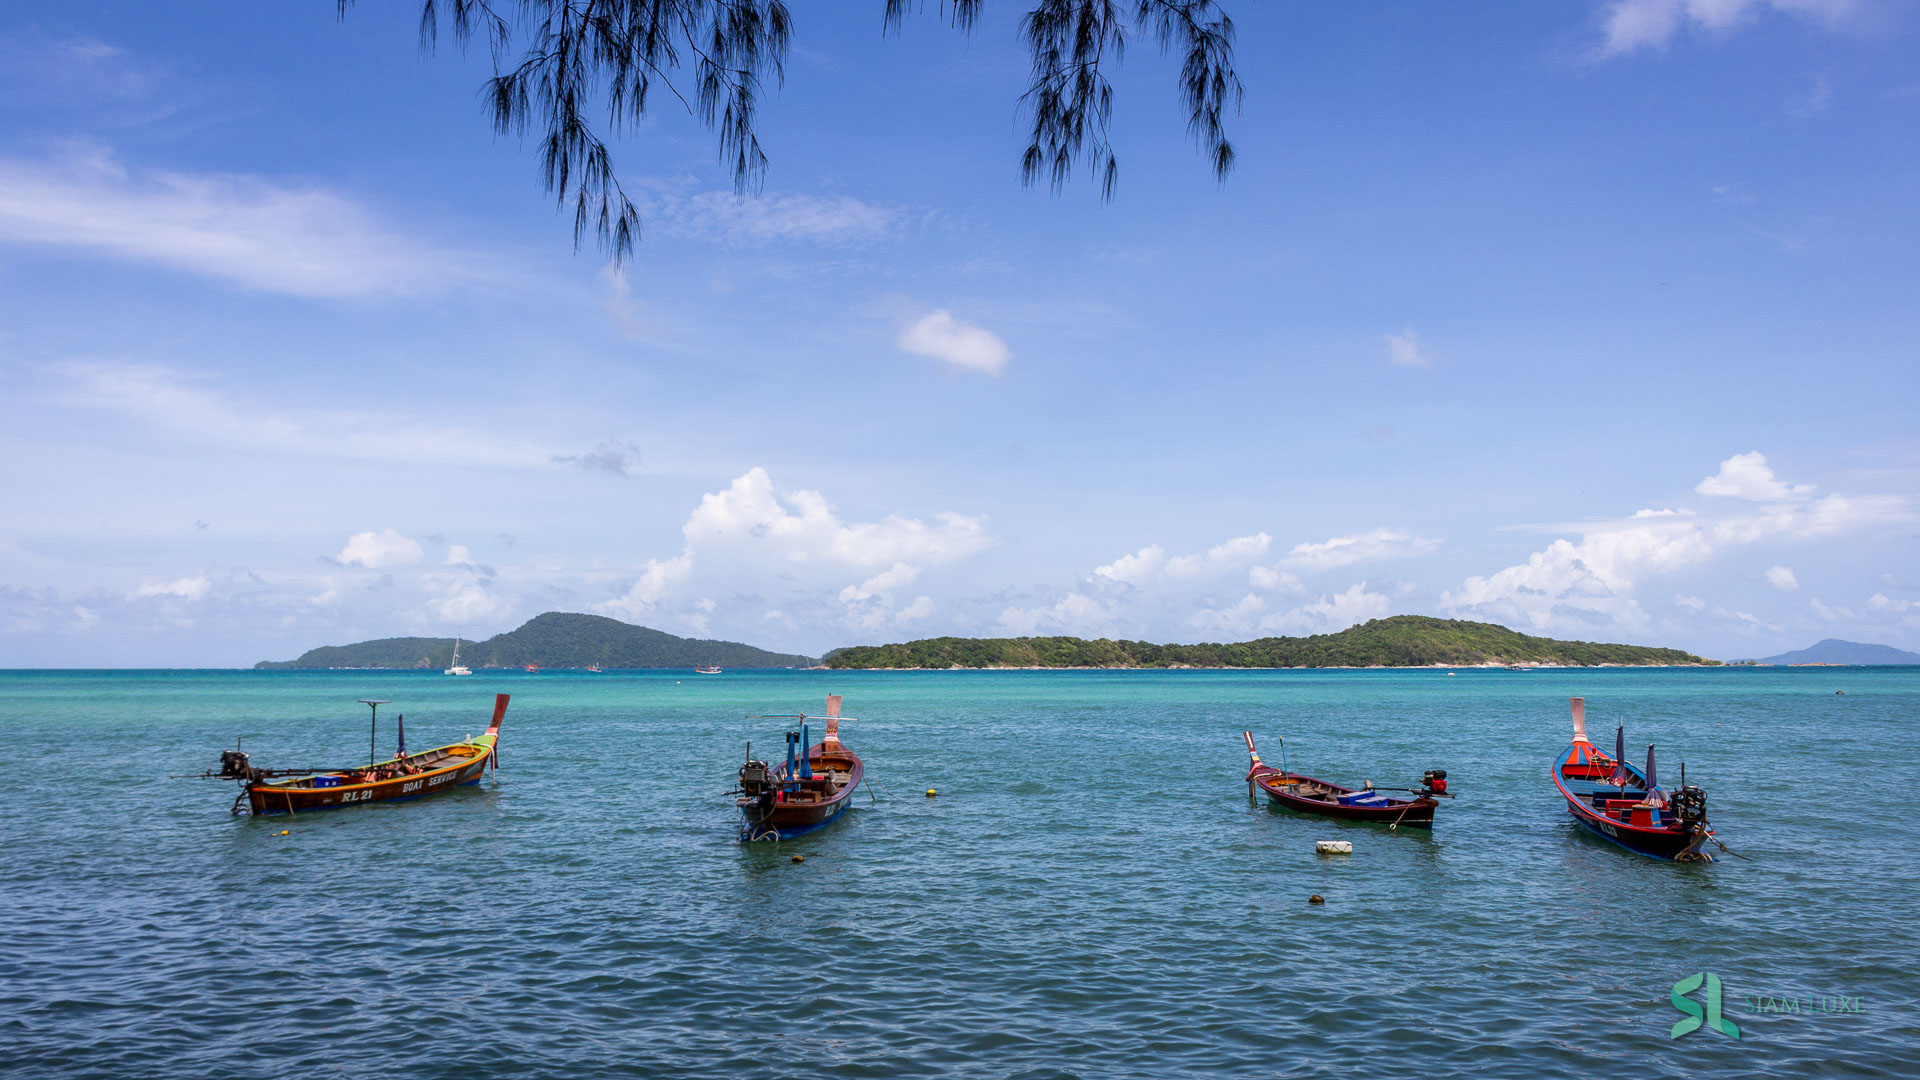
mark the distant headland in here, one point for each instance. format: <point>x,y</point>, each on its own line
<point>554,640</point>
<point>561,640</point>
<point>1400,641</point>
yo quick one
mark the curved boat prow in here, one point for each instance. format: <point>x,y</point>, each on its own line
<point>1252,755</point>
<point>1579,719</point>
<point>833,721</point>
<point>493,730</point>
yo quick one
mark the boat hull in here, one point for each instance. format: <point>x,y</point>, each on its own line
<point>288,799</point>
<point>1410,813</point>
<point>784,820</point>
<point>1672,842</point>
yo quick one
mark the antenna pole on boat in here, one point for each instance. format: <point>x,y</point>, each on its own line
<point>373,750</point>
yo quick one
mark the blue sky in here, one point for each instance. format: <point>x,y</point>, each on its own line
<point>1596,321</point>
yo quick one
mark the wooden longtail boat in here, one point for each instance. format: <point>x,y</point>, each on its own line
<point>809,791</point>
<point>1310,796</point>
<point>1626,805</point>
<point>404,776</point>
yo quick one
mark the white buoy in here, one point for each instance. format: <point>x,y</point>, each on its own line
<point>1334,847</point>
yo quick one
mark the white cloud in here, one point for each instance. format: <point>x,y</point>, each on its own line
<point>1075,614</point>
<point>1691,603</point>
<point>468,601</point>
<point>645,594</point>
<point>180,403</point>
<point>1747,476</point>
<point>1404,350</point>
<point>1368,546</point>
<point>272,235</point>
<point>942,337</point>
<point>1268,579</point>
<point>458,555</point>
<point>615,456</point>
<point>1781,577</point>
<point>187,588</point>
<point>1594,579</point>
<point>801,527</point>
<point>795,542</point>
<point>1331,614</point>
<point>1830,612</point>
<point>376,550</point>
<point>1151,564</point>
<point>1239,621</point>
<point>1632,25</point>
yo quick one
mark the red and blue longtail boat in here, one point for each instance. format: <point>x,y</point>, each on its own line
<point>810,791</point>
<point>1625,804</point>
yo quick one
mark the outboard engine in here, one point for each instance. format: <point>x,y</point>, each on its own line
<point>1690,805</point>
<point>756,778</point>
<point>1434,782</point>
<point>235,766</point>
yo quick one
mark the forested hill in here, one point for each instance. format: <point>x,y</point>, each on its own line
<point>1401,641</point>
<point>554,640</point>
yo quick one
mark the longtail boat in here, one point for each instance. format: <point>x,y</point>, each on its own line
<point>1624,804</point>
<point>1311,796</point>
<point>809,791</point>
<point>403,776</point>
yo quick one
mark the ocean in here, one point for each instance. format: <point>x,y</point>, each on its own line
<point>1090,894</point>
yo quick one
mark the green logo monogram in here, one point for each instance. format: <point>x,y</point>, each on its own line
<point>1687,1005</point>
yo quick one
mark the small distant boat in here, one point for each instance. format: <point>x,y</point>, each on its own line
<point>457,668</point>
<point>809,791</point>
<point>706,669</point>
<point>1310,796</point>
<point>595,668</point>
<point>1625,804</point>
<point>534,668</point>
<point>403,776</point>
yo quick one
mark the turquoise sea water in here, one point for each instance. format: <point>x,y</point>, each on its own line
<point>1091,894</point>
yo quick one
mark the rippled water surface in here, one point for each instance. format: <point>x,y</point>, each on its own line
<point>1090,895</point>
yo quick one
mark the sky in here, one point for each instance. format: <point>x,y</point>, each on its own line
<point>1599,321</point>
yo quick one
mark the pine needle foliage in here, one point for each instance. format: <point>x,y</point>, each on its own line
<point>559,64</point>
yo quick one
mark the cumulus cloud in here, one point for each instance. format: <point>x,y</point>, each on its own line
<point>1632,25</point>
<point>1404,350</point>
<point>1747,476</point>
<point>1593,580</point>
<point>187,588</point>
<point>1781,577</point>
<point>940,336</point>
<point>1075,614</point>
<point>1830,612</point>
<point>256,232</point>
<point>1369,546</point>
<point>467,601</point>
<point>645,594</point>
<point>1331,614</point>
<point>377,550</point>
<point>795,541</point>
<point>801,527</point>
<point>1691,603</point>
<point>1151,563</point>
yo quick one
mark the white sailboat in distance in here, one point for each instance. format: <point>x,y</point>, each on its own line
<point>458,668</point>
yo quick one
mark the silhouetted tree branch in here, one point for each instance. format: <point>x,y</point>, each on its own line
<point>577,55</point>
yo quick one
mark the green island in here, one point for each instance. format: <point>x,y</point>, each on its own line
<point>556,639</point>
<point>1400,641</point>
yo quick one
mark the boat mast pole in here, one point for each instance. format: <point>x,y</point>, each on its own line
<point>373,749</point>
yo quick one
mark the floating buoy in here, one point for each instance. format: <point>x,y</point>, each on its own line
<point>286,832</point>
<point>799,858</point>
<point>1334,847</point>
<point>1840,692</point>
<point>931,793</point>
<point>1316,898</point>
